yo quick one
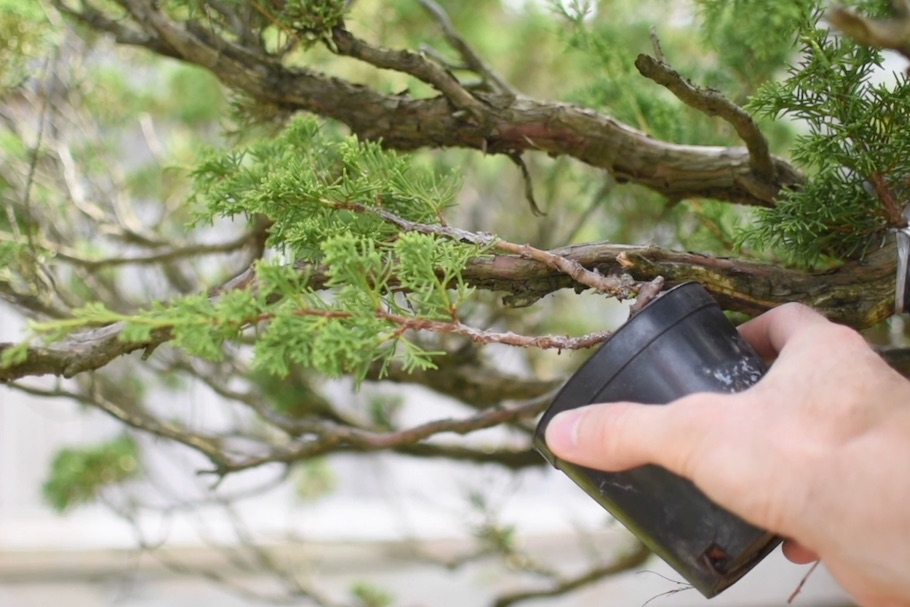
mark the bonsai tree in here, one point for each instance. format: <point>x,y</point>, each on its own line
<point>273,198</point>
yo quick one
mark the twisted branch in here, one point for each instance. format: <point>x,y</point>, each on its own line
<point>713,103</point>
<point>494,123</point>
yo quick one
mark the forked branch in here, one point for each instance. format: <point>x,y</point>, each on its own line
<point>713,103</point>
<point>496,123</point>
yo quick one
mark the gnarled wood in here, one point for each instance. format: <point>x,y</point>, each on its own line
<point>493,123</point>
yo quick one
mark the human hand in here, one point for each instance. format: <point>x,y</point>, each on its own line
<point>817,451</point>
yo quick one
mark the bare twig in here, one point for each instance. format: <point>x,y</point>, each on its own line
<point>476,387</point>
<point>132,417</point>
<point>263,562</point>
<point>468,55</point>
<point>411,63</point>
<point>633,559</point>
<point>544,342</point>
<point>332,437</point>
<point>802,582</point>
<point>712,103</point>
<point>647,293</point>
<point>474,383</point>
<point>655,45</point>
<point>528,184</point>
<point>39,140</point>
<point>175,252</point>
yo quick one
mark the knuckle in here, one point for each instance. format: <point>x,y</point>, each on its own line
<point>843,336</point>
<point>795,308</point>
<point>698,417</point>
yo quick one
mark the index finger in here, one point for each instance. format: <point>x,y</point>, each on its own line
<point>771,331</point>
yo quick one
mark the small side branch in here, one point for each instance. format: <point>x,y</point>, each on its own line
<point>544,342</point>
<point>410,63</point>
<point>619,286</point>
<point>634,559</point>
<point>471,59</point>
<point>408,323</point>
<point>528,183</point>
<point>712,103</point>
<point>208,446</point>
<point>332,437</point>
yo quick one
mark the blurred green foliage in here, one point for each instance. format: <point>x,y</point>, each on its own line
<point>25,39</point>
<point>78,475</point>
<point>371,595</point>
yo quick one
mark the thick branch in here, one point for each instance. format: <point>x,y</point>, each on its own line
<point>712,103</point>
<point>409,63</point>
<point>619,287</point>
<point>500,123</point>
<point>858,294</point>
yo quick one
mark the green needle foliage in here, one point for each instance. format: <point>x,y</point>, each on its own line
<point>24,38</point>
<point>855,148</point>
<point>301,177</point>
<point>301,181</point>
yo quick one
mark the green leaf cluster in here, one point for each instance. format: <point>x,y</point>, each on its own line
<point>25,36</point>
<point>340,298</point>
<point>753,38</point>
<point>371,595</point>
<point>78,475</point>
<point>313,16</point>
<point>343,331</point>
<point>301,177</point>
<point>855,137</point>
<point>314,479</point>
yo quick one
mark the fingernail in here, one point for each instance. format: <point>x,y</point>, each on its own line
<point>562,431</point>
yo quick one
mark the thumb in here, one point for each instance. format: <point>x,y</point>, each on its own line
<point>618,436</point>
